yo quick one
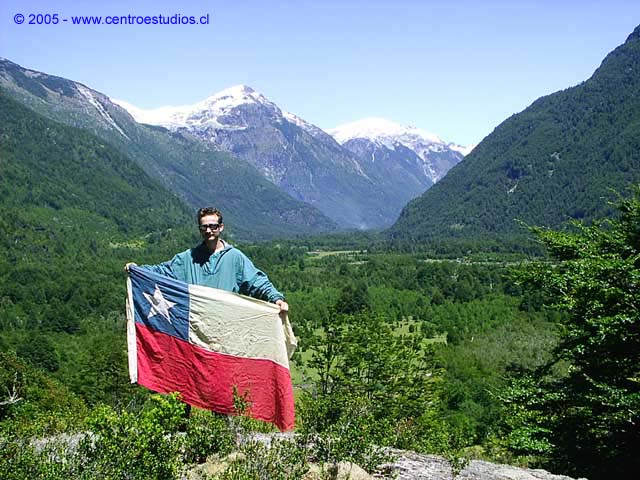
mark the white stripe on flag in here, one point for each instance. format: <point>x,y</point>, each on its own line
<point>131,335</point>
<point>232,324</point>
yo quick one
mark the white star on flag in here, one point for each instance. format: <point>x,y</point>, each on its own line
<point>159,304</point>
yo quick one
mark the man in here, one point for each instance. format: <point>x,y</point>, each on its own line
<point>214,263</point>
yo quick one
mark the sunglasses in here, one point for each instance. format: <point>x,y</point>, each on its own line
<point>209,226</point>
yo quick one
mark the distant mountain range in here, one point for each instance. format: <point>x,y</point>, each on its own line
<point>363,183</point>
<point>561,158</point>
<point>277,175</point>
<point>198,173</point>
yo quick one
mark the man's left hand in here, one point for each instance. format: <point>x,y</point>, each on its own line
<point>284,306</point>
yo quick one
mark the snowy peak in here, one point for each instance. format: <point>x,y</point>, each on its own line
<point>389,134</point>
<point>233,97</point>
<point>379,129</point>
<point>383,138</point>
<point>216,111</point>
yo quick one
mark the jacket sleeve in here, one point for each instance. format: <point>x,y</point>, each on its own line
<point>255,283</point>
<point>169,269</point>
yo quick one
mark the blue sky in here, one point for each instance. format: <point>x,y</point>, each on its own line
<point>456,68</point>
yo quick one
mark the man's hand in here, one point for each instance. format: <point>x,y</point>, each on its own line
<point>284,306</point>
<point>130,264</point>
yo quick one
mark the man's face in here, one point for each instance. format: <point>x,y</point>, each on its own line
<point>210,227</point>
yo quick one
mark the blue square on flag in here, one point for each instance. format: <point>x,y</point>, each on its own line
<point>161,304</point>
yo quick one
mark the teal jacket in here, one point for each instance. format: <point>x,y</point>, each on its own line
<point>229,269</point>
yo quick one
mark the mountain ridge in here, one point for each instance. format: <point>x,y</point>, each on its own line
<point>307,162</point>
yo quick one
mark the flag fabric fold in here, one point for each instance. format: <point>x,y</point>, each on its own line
<point>205,343</point>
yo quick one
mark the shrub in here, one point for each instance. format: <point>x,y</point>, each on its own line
<point>129,445</point>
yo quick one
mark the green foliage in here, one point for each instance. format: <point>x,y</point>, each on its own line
<point>281,460</point>
<point>343,428</point>
<point>131,445</point>
<point>374,388</point>
<point>20,460</point>
<point>143,444</point>
<point>494,338</point>
<point>353,299</point>
<point>527,435</point>
<point>589,414</point>
<point>39,352</point>
<point>31,403</point>
<point>206,433</point>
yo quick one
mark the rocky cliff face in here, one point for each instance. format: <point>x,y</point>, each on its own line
<point>346,182</point>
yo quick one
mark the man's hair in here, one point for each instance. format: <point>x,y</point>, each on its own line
<point>203,212</point>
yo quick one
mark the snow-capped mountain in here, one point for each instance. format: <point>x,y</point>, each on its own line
<point>241,121</point>
<point>297,156</point>
<point>379,138</point>
<point>213,112</point>
<point>254,207</point>
<point>220,111</point>
<point>354,183</point>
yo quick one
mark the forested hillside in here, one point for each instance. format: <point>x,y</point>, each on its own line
<point>556,160</point>
<point>73,210</point>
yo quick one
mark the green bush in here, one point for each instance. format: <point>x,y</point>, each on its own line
<point>282,460</point>
<point>353,434</point>
<point>20,459</point>
<point>206,434</point>
<point>130,445</point>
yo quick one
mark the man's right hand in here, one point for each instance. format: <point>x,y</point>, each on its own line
<point>130,264</point>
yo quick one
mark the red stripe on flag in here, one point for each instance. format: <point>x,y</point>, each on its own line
<point>206,379</point>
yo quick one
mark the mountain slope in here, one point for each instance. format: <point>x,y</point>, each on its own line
<point>254,208</point>
<point>72,211</point>
<point>301,159</point>
<point>47,166</point>
<point>349,185</point>
<point>556,160</point>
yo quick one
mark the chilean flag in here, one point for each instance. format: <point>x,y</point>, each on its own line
<point>204,343</point>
